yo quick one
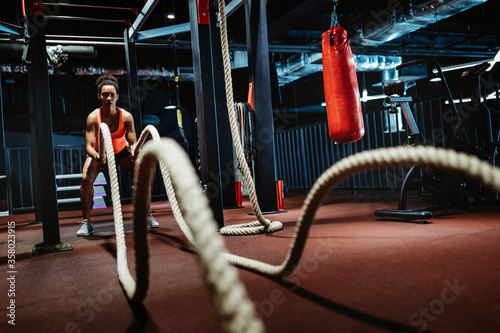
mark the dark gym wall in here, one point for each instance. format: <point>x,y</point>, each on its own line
<point>74,97</point>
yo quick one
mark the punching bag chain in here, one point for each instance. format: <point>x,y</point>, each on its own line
<point>334,20</point>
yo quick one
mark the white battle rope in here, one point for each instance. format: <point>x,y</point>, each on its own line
<point>172,199</point>
<point>227,291</point>
<point>262,225</point>
<point>424,157</point>
<point>236,311</point>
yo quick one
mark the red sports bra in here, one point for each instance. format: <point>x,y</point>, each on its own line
<point>117,137</point>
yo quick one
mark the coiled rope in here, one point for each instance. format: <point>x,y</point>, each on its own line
<point>262,224</point>
<point>236,311</point>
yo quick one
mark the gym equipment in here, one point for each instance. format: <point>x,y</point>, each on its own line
<point>436,187</point>
<point>262,224</point>
<point>245,118</point>
<point>343,103</point>
<point>236,311</point>
<point>476,132</point>
<point>396,91</point>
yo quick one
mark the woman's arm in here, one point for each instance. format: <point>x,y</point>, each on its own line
<point>131,136</point>
<point>90,136</point>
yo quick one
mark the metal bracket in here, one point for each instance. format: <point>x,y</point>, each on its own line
<point>203,17</point>
<point>36,7</point>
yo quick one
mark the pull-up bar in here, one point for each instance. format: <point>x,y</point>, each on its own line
<point>78,18</point>
<point>135,10</point>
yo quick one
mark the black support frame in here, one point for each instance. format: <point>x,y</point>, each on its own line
<point>206,113</point>
<point>223,128</point>
<point>3,191</point>
<point>41,125</point>
<point>258,65</point>
<point>134,96</point>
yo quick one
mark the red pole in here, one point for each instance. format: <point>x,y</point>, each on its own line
<point>239,197</point>
<point>279,195</point>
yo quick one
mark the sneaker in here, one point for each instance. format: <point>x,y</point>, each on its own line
<point>152,223</point>
<point>86,229</point>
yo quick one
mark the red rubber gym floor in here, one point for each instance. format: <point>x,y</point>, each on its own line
<point>357,274</point>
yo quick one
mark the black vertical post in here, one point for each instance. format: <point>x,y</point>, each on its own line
<point>134,97</point>
<point>258,64</point>
<point>205,109</point>
<point>2,132</point>
<point>35,169</point>
<point>3,178</point>
<point>223,128</point>
<point>41,121</point>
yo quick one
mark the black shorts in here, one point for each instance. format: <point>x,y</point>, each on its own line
<point>124,153</point>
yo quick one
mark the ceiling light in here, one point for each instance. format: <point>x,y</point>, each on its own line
<point>170,16</point>
<point>170,107</point>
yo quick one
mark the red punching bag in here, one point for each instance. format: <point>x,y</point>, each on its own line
<point>343,104</point>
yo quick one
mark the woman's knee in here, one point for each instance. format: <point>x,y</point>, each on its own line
<point>87,181</point>
<point>89,174</point>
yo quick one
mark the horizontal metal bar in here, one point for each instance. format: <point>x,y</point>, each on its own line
<point>160,32</point>
<point>68,200</point>
<point>85,6</point>
<point>78,18</point>
<point>141,19</point>
<point>233,6</point>
<point>185,45</point>
<point>10,28</point>
<point>302,109</point>
<point>117,41</point>
<point>395,99</point>
<point>68,188</point>
<point>466,65</point>
<point>379,50</point>
<point>472,52</point>
<point>69,176</point>
<point>85,37</point>
<point>84,42</point>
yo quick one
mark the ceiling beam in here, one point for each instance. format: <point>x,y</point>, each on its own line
<point>59,4</point>
<point>233,6</point>
<point>160,32</point>
<point>186,45</point>
<point>10,28</point>
<point>141,19</point>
